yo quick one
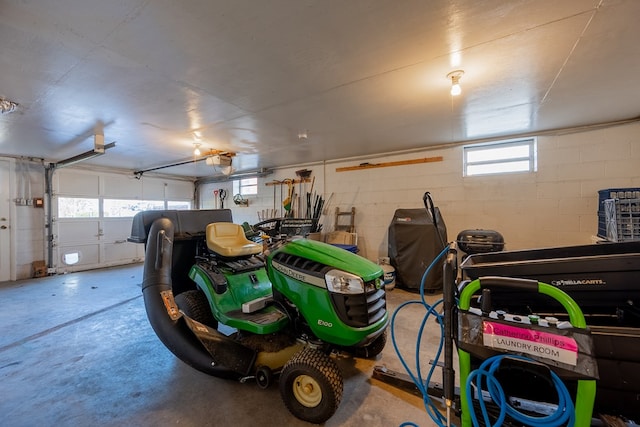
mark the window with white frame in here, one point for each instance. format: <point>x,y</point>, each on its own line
<point>246,186</point>
<point>500,157</point>
<point>116,208</point>
<point>179,204</point>
<point>78,207</point>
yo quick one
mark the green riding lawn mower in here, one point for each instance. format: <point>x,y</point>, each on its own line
<point>230,309</point>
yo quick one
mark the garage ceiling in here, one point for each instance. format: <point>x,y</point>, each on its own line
<point>358,77</point>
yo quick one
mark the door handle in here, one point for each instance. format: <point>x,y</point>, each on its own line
<point>3,227</point>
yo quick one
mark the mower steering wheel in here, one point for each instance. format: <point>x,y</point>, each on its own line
<point>269,226</point>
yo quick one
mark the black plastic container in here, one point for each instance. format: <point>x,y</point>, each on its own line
<point>600,277</point>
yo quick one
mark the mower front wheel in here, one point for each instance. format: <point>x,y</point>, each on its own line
<point>264,376</point>
<point>311,386</point>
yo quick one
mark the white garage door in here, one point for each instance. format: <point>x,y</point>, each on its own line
<point>93,213</point>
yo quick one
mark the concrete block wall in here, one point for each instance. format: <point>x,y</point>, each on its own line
<point>555,206</point>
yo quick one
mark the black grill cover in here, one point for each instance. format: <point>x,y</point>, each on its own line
<point>414,242</point>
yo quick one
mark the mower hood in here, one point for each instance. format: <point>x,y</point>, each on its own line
<point>332,256</point>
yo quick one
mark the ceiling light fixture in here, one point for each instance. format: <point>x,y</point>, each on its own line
<point>196,151</point>
<point>455,82</point>
<point>7,106</point>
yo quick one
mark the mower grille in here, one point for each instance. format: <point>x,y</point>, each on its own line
<point>354,310</point>
<point>360,310</point>
<point>299,263</point>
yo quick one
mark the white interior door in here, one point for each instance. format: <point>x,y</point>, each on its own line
<point>5,222</point>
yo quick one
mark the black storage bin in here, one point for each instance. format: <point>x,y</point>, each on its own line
<point>414,242</point>
<point>602,278</point>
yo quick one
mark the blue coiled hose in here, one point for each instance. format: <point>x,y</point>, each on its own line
<point>423,383</point>
<point>564,413</point>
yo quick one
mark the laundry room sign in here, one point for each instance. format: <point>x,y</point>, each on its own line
<point>529,341</point>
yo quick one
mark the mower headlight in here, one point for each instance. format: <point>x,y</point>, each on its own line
<point>343,282</point>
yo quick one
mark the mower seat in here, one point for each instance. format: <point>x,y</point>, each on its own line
<point>228,240</point>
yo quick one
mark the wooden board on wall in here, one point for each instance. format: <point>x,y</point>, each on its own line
<point>387,164</point>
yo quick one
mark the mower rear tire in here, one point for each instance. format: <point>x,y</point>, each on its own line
<point>194,304</point>
<point>311,386</point>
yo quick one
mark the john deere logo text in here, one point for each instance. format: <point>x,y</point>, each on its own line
<point>290,272</point>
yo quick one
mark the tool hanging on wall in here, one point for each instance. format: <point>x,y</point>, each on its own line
<point>317,207</point>
<point>304,175</point>
<point>325,210</point>
<point>274,197</point>
<point>294,204</point>
<point>309,212</point>
<point>223,195</point>
<point>283,212</point>
<point>287,203</point>
<point>239,200</point>
<point>215,199</point>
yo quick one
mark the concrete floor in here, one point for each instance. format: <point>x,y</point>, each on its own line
<point>77,350</point>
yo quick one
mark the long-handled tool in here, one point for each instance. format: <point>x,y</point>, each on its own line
<point>281,205</point>
<point>326,204</point>
<point>215,198</point>
<point>275,182</point>
<point>223,195</point>
<point>288,202</point>
<point>308,212</point>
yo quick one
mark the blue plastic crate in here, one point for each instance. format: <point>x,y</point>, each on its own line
<point>612,193</point>
<point>616,193</point>
<point>602,225</point>
<point>350,248</point>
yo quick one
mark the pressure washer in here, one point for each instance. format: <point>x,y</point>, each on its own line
<point>510,365</point>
